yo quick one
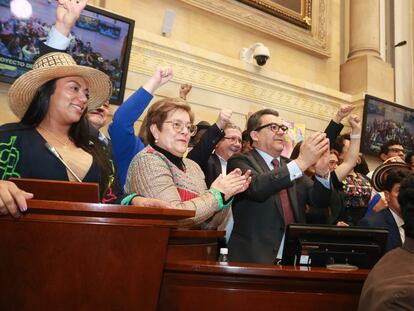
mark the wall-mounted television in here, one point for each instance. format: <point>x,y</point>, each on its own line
<point>100,39</point>
<point>325,245</point>
<point>384,121</point>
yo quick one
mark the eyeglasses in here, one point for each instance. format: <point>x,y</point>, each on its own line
<point>274,127</point>
<point>178,126</point>
<point>396,150</point>
<point>234,140</point>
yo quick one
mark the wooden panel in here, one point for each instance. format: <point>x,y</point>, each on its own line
<point>102,213</point>
<point>44,189</point>
<point>69,266</point>
<point>214,286</point>
<point>82,256</point>
<point>193,245</point>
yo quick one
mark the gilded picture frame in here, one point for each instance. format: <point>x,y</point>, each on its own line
<point>297,12</point>
<point>314,39</point>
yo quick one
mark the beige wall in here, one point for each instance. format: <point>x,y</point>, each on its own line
<point>217,34</point>
<point>302,85</point>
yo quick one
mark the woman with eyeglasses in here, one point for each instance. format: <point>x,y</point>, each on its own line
<point>160,171</point>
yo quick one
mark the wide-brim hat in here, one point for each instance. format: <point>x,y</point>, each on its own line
<point>53,66</point>
<point>381,172</point>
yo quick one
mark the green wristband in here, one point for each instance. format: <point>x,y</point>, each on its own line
<point>228,203</point>
<point>127,200</point>
<point>219,198</point>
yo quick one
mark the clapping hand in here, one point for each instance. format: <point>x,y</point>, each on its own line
<point>232,183</point>
<point>311,150</point>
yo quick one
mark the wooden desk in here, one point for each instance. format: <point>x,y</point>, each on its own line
<point>201,285</point>
<point>80,256</point>
<point>193,245</point>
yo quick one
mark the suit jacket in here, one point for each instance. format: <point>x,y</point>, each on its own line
<point>212,170</point>
<point>202,151</point>
<point>384,219</point>
<point>390,284</point>
<point>258,216</point>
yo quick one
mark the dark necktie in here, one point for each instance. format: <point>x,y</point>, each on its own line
<point>284,200</point>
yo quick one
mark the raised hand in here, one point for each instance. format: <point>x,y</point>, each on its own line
<point>224,118</point>
<point>12,199</point>
<point>311,150</point>
<point>161,76</point>
<point>184,90</point>
<point>351,157</point>
<point>343,111</point>
<point>67,13</point>
<point>356,124</point>
<point>232,183</point>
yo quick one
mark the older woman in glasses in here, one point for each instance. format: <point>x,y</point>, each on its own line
<point>160,171</point>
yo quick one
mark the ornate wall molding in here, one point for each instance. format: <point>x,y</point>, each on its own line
<point>223,75</point>
<point>314,41</point>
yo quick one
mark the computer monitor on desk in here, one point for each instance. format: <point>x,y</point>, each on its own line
<point>325,245</point>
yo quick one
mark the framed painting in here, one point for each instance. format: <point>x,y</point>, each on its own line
<point>312,17</point>
<point>298,12</point>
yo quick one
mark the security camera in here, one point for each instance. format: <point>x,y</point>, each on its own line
<point>261,54</point>
<point>258,52</point>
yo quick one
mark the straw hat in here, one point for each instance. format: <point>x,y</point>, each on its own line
<point>381,172</point>
<point>52,66</point>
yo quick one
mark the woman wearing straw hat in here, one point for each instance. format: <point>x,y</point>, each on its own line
<point>52,139</point>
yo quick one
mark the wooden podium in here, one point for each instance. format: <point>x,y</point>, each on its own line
<point>204,286</point>
<point>64,255</point>
<point>84,256</point>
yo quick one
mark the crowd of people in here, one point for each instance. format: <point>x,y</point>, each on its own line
<point>381,131</point>
<point>234,180</point>
<point>21,39</point>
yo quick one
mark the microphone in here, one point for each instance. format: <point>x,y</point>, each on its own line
<point>57,155</point>
<point>400,44</point>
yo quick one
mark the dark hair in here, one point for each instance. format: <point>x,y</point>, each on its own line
<point>338,144</point>
<point>333,151</point>
<point>40,104</point>
<point>406,200</point>
<point>157,114</point>
<point>395,176</point>
<point>408,157</point>
<point>78,132</point>
<point>362,167</point>
<point>254,120</point>
<point>387,145</point>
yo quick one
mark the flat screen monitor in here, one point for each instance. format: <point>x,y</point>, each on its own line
<point>100,39</point>
<point>384,121</point>
<point>326,245</point>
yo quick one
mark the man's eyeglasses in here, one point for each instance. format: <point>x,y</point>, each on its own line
<point>178,126</point>
<point>396,150</point>
<point>274,127</point>
<point>234,140</point>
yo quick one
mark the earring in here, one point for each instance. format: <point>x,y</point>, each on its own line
<point>156,141</point>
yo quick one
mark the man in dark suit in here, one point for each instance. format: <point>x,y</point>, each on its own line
<point>279,191</point>
<point>390,284</point>
<point>229,144</point>
<point>390,217</point>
